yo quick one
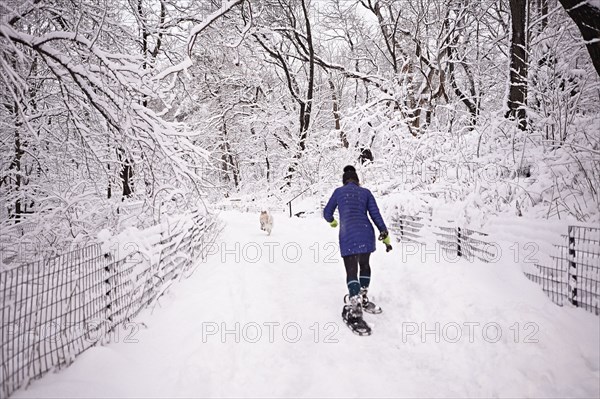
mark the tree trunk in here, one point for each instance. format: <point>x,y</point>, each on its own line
<point>587,18</point>
<point>126,173</point>
<point>544,13</point>
<point>17,164</point>
<point>469,102</point>
<point>306,112</point>
<point>268,164</point>
<point>228,161</point>
<point>336,113</point>
<point>109,188</point>
<point>144,33</point>
<point>517,94</point>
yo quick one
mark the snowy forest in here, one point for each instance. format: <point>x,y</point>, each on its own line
<point>115,112</point>
<point>214,145</point>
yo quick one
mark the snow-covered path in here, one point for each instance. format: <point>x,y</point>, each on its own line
<point>261,317</point>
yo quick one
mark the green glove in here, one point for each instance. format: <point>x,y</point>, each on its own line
<point>385,238</point>
<point>334,223</point>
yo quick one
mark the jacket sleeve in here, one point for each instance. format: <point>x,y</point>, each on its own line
<point>330,208</point>
<point>374,213</point>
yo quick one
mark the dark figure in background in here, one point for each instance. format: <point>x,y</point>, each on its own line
<point>365,155</point>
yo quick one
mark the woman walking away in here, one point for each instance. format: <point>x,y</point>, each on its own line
<point>357,241</point>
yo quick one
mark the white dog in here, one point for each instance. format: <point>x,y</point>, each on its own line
<point>266,222</point>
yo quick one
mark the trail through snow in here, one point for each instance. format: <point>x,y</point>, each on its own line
<point>261,318</point>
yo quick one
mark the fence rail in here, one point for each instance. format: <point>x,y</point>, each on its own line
<point>289,203</point>
<point>54,309</point>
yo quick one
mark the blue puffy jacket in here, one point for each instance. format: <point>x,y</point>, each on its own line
<point>356,231</point>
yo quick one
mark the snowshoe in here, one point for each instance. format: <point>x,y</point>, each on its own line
<point>352,316</point>
<point>367,305</point>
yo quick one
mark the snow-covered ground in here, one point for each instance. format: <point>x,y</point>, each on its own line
<point>261,317</point>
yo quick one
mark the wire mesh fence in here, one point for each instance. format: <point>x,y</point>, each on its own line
<point>54,309</point>
<point>584,267</point>
<point>553,282</point>
<point>467,243</point>
<point>408,228</point>
<point>574,276</point>
<point>461,242</point>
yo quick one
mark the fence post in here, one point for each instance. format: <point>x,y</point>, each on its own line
<point>401,228</point>
<point>109,285</point>
<point>302,192</point>
<point>458,242</point>
<point>572,275</point>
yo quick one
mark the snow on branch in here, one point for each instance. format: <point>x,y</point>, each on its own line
<point>191,41</point>
<point>91,83</point>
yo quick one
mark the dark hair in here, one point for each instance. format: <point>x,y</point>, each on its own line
<point>350,175</point>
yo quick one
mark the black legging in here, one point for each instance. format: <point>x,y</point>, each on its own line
<point>352,262</point>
